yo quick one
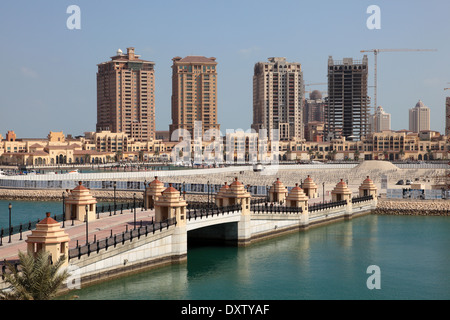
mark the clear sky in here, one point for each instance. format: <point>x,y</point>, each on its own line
<point>48,72</point>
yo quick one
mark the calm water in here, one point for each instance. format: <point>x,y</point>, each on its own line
<point>327,262</point>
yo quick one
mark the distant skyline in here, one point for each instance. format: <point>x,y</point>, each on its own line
<point>48,80</point>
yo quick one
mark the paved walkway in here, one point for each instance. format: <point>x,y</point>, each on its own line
<point>97,229</point>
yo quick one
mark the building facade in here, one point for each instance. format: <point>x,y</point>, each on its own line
<point>278,98</point>
<point>126,96</point>
<point>347,111</point>
<point>419,118</point>
<point>381,121</point>
<point>194,94</point>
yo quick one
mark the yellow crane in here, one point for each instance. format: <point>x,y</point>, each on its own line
<point>375,52</point>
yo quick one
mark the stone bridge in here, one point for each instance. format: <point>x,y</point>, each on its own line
<point>233,219</point>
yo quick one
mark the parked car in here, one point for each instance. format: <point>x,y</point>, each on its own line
<point>400,182</point>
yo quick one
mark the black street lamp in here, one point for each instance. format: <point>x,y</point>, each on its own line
<point>134,205</point>
<point>64,208</point>
<point>87,225</point>
<point>144,203</point>
<point>10,207</point>
<point>208,193</point>
<point>115,185</point>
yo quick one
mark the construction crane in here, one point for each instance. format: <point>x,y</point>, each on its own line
<point>375,52</point>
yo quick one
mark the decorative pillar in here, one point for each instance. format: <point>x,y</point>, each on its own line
<point>153,192</point>
<point>342,192</point>
<point>76,203</point>
<point>238,195</point>
<point>222,196</point>
<point>310,188</point>
<point>172,205</point>
<point>368,188</point>
<point>277,192</point>
<point>298,199</point>
<point>49,236</point>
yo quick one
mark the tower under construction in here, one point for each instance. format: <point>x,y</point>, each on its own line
<point>347,111</point>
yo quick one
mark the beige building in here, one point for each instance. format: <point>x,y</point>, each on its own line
<point>194,94</point>
<point>381,121</point>
<point>278,98</point>
<point>419,118</point>
<point>126,96</point>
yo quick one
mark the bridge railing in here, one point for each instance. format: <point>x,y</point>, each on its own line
<point>194,213</point>
<point>275,209</point>
<point>328,205</point>
<point>120,238</point>
<point>361,199</point>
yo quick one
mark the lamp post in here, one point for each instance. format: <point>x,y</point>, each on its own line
<point>10,207</point>
<point>115,185</point>
<point>87,225</point>
<point>323,191</point>
<point>134,205</point>
<point>145,205</point>
<point>64,208</point>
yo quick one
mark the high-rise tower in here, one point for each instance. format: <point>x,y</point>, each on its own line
<point>194,94</point>
<point>125,96</point>
<point>278,98</point>
<point>347,110</point>
<point>419,118</point>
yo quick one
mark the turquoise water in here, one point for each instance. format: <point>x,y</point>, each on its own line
<point>327,262</point>
<point>25,211</point>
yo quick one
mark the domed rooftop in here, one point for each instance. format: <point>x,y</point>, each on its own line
<point>420,104</point>
<point>315,95</point>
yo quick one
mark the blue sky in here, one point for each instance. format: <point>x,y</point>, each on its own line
<point>48,80</point>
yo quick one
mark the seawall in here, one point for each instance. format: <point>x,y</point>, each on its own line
<point>412,207</point>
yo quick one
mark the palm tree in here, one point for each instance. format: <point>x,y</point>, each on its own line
<point>35,278</point>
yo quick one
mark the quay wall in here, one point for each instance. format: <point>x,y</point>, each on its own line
<point>437,207</point>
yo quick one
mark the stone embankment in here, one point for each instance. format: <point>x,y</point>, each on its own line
<point>56,195</point>
<point>413,207</point>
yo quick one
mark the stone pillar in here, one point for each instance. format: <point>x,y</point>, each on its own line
<point>298,199</point>
<point>368,188</point>
<point>342,192</point>
<point>153,192</point>
<point>221,199</point>
<point>236,194</point>
<point>172,205</point>
<point>310,188</point>
<point>277,192</point>
<point>49,236</point>
<point>76,203</point>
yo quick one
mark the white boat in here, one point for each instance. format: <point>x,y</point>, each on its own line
<point>73,171</point>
